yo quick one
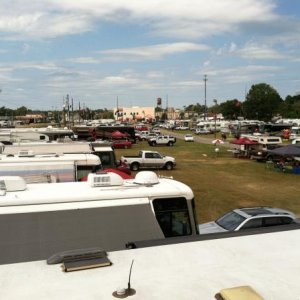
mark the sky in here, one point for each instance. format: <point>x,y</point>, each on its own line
<point>104,53</point>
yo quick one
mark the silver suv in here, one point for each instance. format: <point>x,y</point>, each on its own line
<point>248,218</point>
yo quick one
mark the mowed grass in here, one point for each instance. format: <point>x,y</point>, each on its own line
<point>221,182</point>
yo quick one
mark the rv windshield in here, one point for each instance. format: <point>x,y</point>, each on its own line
<point>173,216</point>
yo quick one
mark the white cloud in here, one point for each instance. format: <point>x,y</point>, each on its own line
<point>143,53</point>
<point>85,60</point>
<point>155,75</point>
<point>206,63</point>
<point>232,47</point>
<point>255,51</point>
<point>177,18</point>
<point>118,81</point>
<point>151,52</point>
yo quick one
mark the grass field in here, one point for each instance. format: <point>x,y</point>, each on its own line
<point>221,182</point>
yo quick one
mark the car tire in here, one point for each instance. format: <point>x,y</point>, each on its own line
<point>170,144</point>
<point>135,167</point>
<point>169,166</point>
<point>125,147</point>
<point>153,144</point>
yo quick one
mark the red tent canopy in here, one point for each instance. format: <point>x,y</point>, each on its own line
<point>117,135</point>
<point>244,141</point>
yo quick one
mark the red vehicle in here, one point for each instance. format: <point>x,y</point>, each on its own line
<point>121,144</point>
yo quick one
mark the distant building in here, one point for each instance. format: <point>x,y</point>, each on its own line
<point>134,113</point>
<point>27,119</point>
<point>170,112</point>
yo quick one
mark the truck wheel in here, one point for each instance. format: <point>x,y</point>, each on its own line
<point>170,144</point>
<point>135,167</point>
<point>153,144</point>
<point>169,166</point>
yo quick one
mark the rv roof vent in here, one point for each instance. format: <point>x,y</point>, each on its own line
<point>104,179</point>
<point>146,178</point>
<point>25,153</point>
<point>12,184</point>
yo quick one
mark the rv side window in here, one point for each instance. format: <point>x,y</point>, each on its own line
<point>107,159</point>
<point>173,216</point>
<point>83,171</point>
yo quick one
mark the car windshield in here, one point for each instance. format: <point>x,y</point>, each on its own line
<point>230,221</point>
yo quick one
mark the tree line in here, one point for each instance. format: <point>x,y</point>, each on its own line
<point>262,102</point>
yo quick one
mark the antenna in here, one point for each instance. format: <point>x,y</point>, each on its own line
<point>124,293</point>
<point>129,288</point>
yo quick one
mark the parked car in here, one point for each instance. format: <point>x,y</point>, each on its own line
<point>189,138</point>
<point>202,131</point>
<point>248,218</point>
<point>121,144</point>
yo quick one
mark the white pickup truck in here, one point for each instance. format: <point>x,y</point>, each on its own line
<point>149,160</point>
<point>166,140</point>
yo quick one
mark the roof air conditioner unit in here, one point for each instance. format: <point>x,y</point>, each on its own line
<point>104,179</point>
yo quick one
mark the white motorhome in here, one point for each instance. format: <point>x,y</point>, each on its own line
<point>38,220</point>
<point>49,167</point>
<point>187,268</point>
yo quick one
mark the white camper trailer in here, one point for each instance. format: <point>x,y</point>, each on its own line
<point>103,150</point>
<point>49,167</point>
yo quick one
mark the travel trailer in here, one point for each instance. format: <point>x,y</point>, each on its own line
<point>49,133</point>
<point>9,136</point>
<point>259,152</point>
<point>213,126</point>
<point>106,211</point>
<point>103,150</point>
<point>49,167</point>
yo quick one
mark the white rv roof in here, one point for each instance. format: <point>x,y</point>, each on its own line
<point>53,147</point>
<point>85,159</point>
<point>71,195</point>
<point>269,263</point>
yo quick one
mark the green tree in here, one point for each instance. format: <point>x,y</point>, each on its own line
<point>195,108</point>
<point>21,111</point>
<point>262,102</point>
<point>230,109</point>
<point>290,108</point>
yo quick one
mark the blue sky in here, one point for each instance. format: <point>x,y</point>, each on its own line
<point>98,51</point>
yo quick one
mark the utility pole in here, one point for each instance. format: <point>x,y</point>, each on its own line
<point>64,112</point>
<point>205,107</point>
<point>72,113</point>
<point>68,109</point>
<point>216,103</point>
